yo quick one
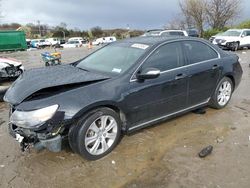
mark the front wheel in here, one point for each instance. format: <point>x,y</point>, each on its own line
<point>222,94</point>
<point>98,134</point>
<point>236,46</point>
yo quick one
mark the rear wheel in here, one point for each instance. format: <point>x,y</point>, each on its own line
<point>222,94</point>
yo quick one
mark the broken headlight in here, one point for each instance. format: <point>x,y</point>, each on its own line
<point>33,119</point>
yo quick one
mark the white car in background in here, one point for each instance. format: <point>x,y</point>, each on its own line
<point>72,44</point>
<point>104,40</point>
<point>53,41</point>
<point>158,32</point>
<point>43,43</point>
<point>233,39</point>
<point>80,39</point>
<point>173,33</point>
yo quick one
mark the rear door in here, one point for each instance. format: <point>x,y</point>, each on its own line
<point>204,69</point>
<point>166,94</point>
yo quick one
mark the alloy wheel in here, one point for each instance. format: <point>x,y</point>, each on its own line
<point>101,135</point>
<point>224,93</point>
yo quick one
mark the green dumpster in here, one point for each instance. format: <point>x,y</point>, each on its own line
<point>12,40</point>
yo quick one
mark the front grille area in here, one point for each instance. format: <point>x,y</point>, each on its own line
<point>11,70</point>
<point>217,40</point>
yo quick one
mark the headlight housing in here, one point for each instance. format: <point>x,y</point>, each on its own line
<point>222,41</point>
<point>33,119</point>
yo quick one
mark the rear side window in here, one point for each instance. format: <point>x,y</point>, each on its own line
<point>166,57</point>
<point>198,51</point>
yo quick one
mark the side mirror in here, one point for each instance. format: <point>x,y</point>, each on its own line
<point>148,73</point>
<point>242,36</point>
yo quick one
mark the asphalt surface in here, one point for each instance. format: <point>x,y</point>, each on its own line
<point>165,155</point>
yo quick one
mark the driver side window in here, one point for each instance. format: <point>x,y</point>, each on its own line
<point>166,57</point>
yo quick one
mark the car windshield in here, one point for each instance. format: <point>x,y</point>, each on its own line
<point>231,33</point>
<point>113,59</point>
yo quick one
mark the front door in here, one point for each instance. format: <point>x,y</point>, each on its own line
<point>153,98</point>
<point>245,39</point>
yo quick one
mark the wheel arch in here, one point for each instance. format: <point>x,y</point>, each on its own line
<point>93,107</point>
<point>231,77</point>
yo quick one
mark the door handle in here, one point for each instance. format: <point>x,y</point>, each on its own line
<point>180,76</point>
<point>215,67</point>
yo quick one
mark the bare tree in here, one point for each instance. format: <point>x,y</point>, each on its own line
<point>194,12</point>
<point>220,12</point>
<point>177,22</point>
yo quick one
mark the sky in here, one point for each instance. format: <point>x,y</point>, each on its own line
<point>83,14</point>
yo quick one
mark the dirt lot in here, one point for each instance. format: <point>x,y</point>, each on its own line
<point>161,156</point>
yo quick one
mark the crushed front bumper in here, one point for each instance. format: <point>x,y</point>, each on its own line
<point>28,138</point>
<point>226,46</point>
<point>11,71</point>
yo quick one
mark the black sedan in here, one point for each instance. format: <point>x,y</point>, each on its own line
<point>122,87</point>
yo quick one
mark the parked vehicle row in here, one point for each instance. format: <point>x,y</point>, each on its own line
<point>121,87</point>
<point>55,42</point>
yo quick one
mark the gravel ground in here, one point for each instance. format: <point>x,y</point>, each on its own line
<point>161,156</point>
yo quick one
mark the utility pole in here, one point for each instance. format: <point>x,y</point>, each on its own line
<point>63,35</point>
<point>38,21</point>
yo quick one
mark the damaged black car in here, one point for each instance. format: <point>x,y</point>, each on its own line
<point>120,88</point>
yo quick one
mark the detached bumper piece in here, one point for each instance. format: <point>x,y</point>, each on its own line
<point>53,144</point>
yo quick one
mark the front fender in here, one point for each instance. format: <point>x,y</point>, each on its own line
<point>110,104</point>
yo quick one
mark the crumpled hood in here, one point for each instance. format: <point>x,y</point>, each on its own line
<point>5,62</point>
<point>34,80</point>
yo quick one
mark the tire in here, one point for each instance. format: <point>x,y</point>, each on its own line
<point>104,127</point>
<point>72,136</point>
<point>224,89</point>
<point>73,132</point>
<point>11,130</point>
<point>236,46</point>
<point>47,64</point>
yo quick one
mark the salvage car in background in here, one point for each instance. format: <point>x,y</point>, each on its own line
<point>120,88</point>
<point>233,39</point>
<point>10,68</point>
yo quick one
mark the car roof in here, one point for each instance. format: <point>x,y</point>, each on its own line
<point>152,40</point>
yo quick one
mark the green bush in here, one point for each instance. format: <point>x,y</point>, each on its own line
<point>244,25</point>
<point>211,32</point>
